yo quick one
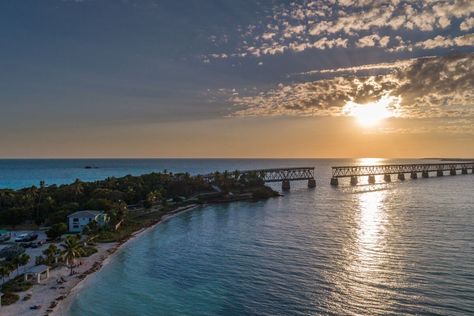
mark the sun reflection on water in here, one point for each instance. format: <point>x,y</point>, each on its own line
<point>370,234</point>
<point>363,277</point>
<point>369,161</point>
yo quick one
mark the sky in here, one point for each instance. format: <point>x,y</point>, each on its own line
<point>222,78</point>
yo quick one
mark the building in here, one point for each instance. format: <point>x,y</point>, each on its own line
<point>78,220</point>
<point>37,273</point>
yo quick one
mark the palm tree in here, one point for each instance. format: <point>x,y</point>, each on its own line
<point>72,250</point>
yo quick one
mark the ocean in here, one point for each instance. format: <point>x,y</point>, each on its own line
<point>400,248</point>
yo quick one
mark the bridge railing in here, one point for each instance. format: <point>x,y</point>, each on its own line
<point>275,174</point>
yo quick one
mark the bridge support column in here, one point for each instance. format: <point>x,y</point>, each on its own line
<point>354,180</point>
<point>401,176</point>
<point>285,185</point>
<point>440,173</point>
<point>335,181</point>
<point>387,178</point>
<point>472,170</point>
<point>425,174</point>
<point>414,175</point>
<point>452,172</point>
<point>311,183</point>
<point>371,179</point>
<point>464,171</point>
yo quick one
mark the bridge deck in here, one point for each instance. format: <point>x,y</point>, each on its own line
<point>278,174</point>
<point>354,171</point>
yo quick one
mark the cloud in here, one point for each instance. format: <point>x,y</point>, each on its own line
<point>441,41</point>
<point>434,87</point>
<point>358,23</point>
<point>467,24</point>
<point>368,67</point>
<point>373,40</point>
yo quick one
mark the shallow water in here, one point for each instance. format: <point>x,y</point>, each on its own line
<point>398,248</point>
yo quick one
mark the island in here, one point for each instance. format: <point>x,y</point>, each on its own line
<point>56,235</point>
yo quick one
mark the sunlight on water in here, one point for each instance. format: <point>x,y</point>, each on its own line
<point>369,161</point>
<point>371,230</point>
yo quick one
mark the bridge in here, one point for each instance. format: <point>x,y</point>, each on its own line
<point>353,172</point>
<point>283,175</point>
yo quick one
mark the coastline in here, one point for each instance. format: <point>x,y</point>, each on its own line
<point>63,307</point>
<point>47,294</point>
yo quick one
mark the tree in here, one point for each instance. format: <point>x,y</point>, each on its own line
<point>72,250</point>
<point>5,270</point>
<point>51,253</point>
<point>23,260</point>
<point>56,230</point>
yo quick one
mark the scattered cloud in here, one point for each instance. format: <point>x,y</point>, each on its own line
<point>467,24</point>
<point>353,24</point>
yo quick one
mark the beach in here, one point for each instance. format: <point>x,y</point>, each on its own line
<point>54,298</point>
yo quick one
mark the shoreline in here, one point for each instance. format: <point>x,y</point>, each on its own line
<point>63,296</point>
<point>64,306</point>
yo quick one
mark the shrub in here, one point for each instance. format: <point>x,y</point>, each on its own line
<point>18,284</point>
<point>88,251</point>
<point>9,298</point>
<point>56,230</point>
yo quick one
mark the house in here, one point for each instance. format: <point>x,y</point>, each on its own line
<point>78,220</point>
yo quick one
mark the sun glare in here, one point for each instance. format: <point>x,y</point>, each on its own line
<point>371,114</point>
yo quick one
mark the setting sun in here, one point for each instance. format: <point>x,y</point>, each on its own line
<point>371,114</point>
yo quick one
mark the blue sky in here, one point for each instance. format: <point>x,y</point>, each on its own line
<point>188,78</point>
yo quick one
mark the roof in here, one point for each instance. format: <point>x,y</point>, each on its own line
<point>86,213</point>
<point>38,269</point>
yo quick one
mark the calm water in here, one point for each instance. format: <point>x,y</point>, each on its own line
<point>399,248</point>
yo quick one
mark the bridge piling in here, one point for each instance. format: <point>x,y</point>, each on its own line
<point>439,173</point>
<point>413,175</point>
<point>425,174</point>
<point>464,171</point>
<point>354,180</point>
<point>311,183</point>
<point>401,176</point>
<point>371,179</point>
<point>452,172</point>
<point>334,181</point>
<point>285,185</point>
<point>387,177</point>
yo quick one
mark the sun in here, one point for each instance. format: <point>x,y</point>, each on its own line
<point>371,114</point>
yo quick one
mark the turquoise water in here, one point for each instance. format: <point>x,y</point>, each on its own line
<point>399,248</point>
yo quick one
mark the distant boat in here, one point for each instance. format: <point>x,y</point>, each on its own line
<point>91,167</point>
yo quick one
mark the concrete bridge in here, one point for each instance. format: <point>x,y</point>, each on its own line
<point>353,172</point>
<point>283,175</point>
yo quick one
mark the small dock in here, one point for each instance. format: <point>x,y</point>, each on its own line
<point>413,170</point>
<point>283,175</point>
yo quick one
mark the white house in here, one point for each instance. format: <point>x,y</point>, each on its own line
<point>78,220</point>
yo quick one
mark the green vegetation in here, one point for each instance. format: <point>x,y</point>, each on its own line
<point>9,298</point>
<point>56,230</point>
<point>88,251</point>
<point>72,250</point>
<point>50,205</point>
<point>17,285</point>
